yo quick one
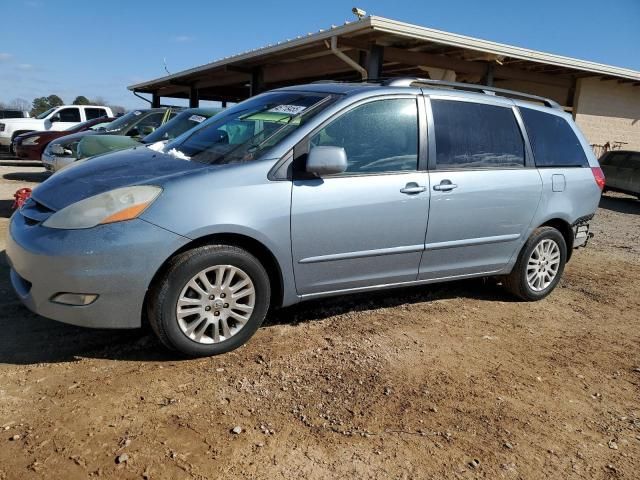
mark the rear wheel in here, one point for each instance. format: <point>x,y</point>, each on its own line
<point>210,300</point>
<point>539,266</point>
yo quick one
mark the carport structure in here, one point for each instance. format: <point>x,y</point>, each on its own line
<point>604,100</point>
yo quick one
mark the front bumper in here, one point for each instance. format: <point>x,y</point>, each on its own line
<point>54,163</point>
<point>115,261</point>
<point>49,161</point>
<point>27,152</point>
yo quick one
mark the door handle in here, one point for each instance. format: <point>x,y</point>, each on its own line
<point>445,186</point>
<point>412,188</point>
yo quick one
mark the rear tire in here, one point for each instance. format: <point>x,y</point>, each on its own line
<point>539,267</point>
<point>209,300</point>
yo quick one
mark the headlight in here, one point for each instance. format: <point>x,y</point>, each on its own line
<point>31,141</point>
<point>114,206</point>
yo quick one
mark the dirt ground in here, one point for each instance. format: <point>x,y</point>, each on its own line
<point>447,381</point>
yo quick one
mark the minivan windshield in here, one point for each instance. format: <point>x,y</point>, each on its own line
<point>243,132</point>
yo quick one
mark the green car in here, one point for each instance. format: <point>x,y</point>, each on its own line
<point>183,121</point>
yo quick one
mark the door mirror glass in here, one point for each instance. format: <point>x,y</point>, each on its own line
<point>326,160</point>
<point>55,118</point>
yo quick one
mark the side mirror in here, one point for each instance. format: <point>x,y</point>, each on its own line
<point>57,149</point>
<point>326,160</point>
<point>134,132</point>
<point>55,118</point>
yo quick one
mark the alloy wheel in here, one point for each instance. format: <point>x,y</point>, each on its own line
<point>215,304</point>
<point>543,265</point>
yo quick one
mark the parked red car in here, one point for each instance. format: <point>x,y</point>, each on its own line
<point>30,145</point>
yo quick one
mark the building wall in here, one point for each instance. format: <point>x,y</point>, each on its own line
<point>608,111</point>
<point>554,92</point>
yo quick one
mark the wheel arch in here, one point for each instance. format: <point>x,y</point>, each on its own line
<point>19,132</point>
<point>253,246</point>
<point>565,229</point>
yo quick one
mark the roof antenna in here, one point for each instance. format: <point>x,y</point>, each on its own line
<point>164,62</point>
<point>359,13</point>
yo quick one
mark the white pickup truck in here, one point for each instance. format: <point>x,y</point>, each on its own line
<point>56,118</point>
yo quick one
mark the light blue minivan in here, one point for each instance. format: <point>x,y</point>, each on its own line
<point>306,192</point>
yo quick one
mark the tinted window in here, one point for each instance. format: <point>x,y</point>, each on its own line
<point>634,161</point>
<point>153,120</point>
<point>614,159</point>
<point>380,136</point>
<point>11,114</point>
<point>92,113</point>
<point>553,140</point>
<point>69,115</point>
<point>474,135</point>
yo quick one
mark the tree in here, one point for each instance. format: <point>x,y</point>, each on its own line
<point>98,101</point>
<point>117,109</point>
<point>81,100</point>
<point>55,100</point>
<point>42,104</point>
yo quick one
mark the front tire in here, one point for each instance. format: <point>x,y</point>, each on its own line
<point>540,265</point>
<point>209,300</point>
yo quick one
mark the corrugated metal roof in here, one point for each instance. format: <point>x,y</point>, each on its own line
<point>410,32</point>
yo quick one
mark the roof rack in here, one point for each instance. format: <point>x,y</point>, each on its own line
<point>414,81</point>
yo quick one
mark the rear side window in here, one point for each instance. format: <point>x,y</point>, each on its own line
<point>614,159</point>
<point>475,135</point>
<point>634,161</point>
<point>95,113</point>
<point>554,142</point>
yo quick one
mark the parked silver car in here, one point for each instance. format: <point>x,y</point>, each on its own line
<point>622,171</point>
<point>307,192</point>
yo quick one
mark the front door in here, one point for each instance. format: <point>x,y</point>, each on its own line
<point>67,118</point>
<point>365,226</point>
<point>483,193</point>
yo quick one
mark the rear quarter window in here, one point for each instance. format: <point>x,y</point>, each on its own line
<point>553,141</point>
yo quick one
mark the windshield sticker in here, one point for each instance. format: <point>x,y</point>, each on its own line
<point>288,109</point>
<point>197,118</point>
<point>137,112</point>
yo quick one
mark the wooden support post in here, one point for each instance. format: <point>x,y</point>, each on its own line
<point>194,97</point>
<point>257,81</point>
<point>488,77</point>
<point>374,61</point>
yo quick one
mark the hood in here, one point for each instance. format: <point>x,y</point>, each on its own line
<point>40,133</point>
<point>99,144</point>
<point>73,138</point>
<point>137,166</point>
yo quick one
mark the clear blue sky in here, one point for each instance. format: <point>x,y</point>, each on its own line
<point>98,48</point>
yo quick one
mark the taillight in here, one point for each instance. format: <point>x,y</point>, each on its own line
<point>598,176</point>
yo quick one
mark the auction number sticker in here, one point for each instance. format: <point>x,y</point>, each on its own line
<point>197,118</point>
<point>288,109</point>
